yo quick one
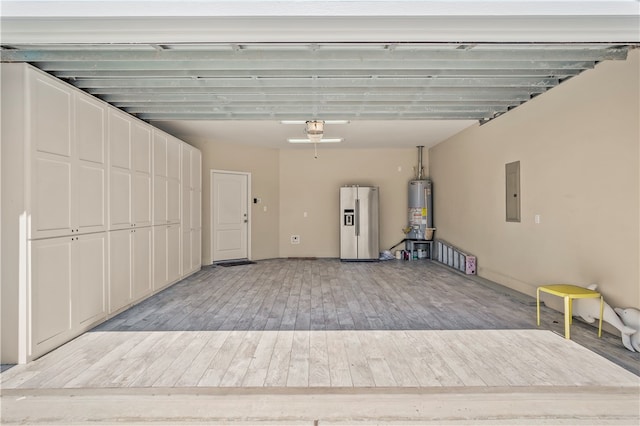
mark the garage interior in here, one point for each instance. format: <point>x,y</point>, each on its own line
<point>480,86</point>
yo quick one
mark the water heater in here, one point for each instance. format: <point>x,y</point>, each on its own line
<point>420,203</point>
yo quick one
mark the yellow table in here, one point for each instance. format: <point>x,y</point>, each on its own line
<point>570,292</point>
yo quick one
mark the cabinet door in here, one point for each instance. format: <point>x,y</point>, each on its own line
<point>196,169</point>
<point>90,129</point>
<point>142,248</point>
<point>173,253</point>
<point>51,211</point>
<point>120,175</point>
<point>50,107</point>
<point>160,200</point>
<point>119,140</point>
<point>185,219</point>
<point>90,164</point>
<point>141,199</point>
<point>196,250</point>
<point>90,200</point>
<point>159,154</point>
<point>160,257</point>
<point>196,209</point>
<point>142,177</point>
<point>173,201</point>
<point>141,144</point>
<point>174,146</point>
<point>119,269</point>
<point>51,271</point>
<point>186,251</point>
<point>120,197</point>
<point>90,283</point>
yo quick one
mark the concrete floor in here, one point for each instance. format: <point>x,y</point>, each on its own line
<point>557,393</point>
<point>453,406</point>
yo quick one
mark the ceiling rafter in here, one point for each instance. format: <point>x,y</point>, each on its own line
<point>368,81</point>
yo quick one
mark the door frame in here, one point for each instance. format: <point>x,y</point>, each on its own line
<point>211,209</point>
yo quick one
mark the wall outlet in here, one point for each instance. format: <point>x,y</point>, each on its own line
<point>295,239</point>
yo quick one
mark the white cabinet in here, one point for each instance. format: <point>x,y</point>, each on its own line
<point>191,209</point>
<point>92,215</point>
<point>120,267</point>
<point>120,187</point>
<point>68,288</point>
<point>174,147</point>
<point>130,266</point>
<point>167,267</point>
<point>142,284</point>
<point>51,292</point>
<point>90,164</point>
<point>90,289</point>
<point>141,172</point>
<point>166,179</point>
<point>68,159</point>
<point>129,172</point>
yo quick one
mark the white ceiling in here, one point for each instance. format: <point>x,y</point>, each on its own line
<point>356,134</point>
<point>86,41</point>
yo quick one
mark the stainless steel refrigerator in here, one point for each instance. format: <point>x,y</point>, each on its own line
<point>359,223</point>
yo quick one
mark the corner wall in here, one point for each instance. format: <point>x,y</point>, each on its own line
<point>578,147</point>
<point>262,163</point>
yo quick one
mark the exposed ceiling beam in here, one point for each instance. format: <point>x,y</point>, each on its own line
<point>440,93</point>
<point>410,53</point>
<point>260,83</point>
<point>244,81</point>
<point>199,73</point>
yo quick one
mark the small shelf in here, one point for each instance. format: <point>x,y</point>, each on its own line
<point>414,244</point>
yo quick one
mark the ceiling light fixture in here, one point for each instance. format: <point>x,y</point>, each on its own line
<point>304,122</point>
<point>315,130</point>
<point>323,140</point>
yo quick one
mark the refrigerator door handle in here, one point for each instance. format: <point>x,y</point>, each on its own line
<point>357,218</point>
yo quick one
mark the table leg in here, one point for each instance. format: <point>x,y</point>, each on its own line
<point>538,305</point>
<point>601,313</point>
<point>567,316</point>
<point>571,312</point>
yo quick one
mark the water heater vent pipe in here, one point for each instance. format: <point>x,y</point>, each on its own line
<point>420,170</point>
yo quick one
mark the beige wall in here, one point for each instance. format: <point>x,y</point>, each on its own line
<point>312,185</point>
<point>578,146</point>
<point>262,163</point>
<point>291,182</point>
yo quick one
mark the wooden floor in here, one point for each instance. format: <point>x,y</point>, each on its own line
<point>327,324</point>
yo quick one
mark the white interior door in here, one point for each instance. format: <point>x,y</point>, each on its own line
<point>230,215</point>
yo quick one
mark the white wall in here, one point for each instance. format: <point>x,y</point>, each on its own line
<point>262,163</point>
<point>578,146</point>
<point>313,186</point>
